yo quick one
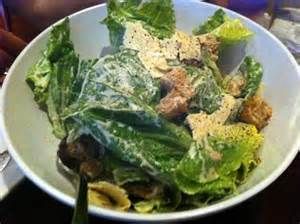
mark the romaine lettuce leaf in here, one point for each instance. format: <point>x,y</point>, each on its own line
<point>216,164</point>
<point>59,43</point>
<point>209,192</point>
<point>165,203</point>
<point>116,106</point>
<point>124,175</point>
<point>132,146</point>
<point>59,90</point>
<point>121,172</point>
<point>157,17</point>
<point>198,161</point>
<point>58,46</point>
<point>147,206</point>
<point>227,30</point>
<point>209,94</point>
<point>248,139</point>
<point>51,77</point>
<point>212,23</point>
<point>119,88</point>
<point>57,77</point>
<point>253,72</point>
<point>205,192</point>
<point>38,79</point>
<point>232,31</point>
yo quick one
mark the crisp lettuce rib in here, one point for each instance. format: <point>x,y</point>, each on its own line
<point>253,72</point>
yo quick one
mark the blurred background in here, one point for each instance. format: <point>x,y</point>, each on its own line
<point>22,20</point>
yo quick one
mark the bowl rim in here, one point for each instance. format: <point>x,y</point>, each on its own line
<point>131,216</point>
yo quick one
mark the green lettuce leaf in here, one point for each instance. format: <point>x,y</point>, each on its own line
<point>124,175</point>
<point>38,79</point>
<point>211,64</point>
<point>212,23</point>
<point>62,75</point>
<point>52,75</point>
<point>157,17</point>
<point>204,192</point>
<point>248,136</point>
<point>59,43</point>
<point>121,172</point>
<point>209,94</point>
<point>148,206</point>
<point>132,146</point>
<point>57,77</point>
<point>217,164</point>
<point>227,30</point>
<point>232,31</point>
<point>168,202</point>
<point>119,88</point>
<point>210,192</point>
<point>117,107</point>
<point>253,72</point>
<point>58,46</point>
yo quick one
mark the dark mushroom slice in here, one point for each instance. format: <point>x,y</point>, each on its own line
<point>91,169</point>
<point>83,155</point>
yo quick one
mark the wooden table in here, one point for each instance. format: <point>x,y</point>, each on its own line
<point>278,204</point>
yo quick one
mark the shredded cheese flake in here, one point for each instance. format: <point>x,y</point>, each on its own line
<point>203,124</point>
<point>154,52</point>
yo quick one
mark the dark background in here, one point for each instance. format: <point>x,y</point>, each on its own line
<point>278,204</point>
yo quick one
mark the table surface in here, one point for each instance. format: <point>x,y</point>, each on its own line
<point>278,204</point>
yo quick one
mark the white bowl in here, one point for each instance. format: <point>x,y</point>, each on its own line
<point>33,146</point>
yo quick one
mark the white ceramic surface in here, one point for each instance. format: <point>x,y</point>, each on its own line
<point>28,132</point>
<point>11,175</point>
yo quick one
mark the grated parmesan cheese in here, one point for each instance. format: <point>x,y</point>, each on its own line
<point>203,124</point>
<point>154,52</point>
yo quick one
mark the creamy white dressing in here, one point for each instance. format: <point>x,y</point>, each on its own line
<point>144,163</point>
<point>154,63</point>
<point>211,173</point>
<point>107,136</point>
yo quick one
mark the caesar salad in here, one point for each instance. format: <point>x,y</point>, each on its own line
<point>154,126</point>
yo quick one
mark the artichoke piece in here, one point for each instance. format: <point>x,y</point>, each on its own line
<point>107,195</point>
